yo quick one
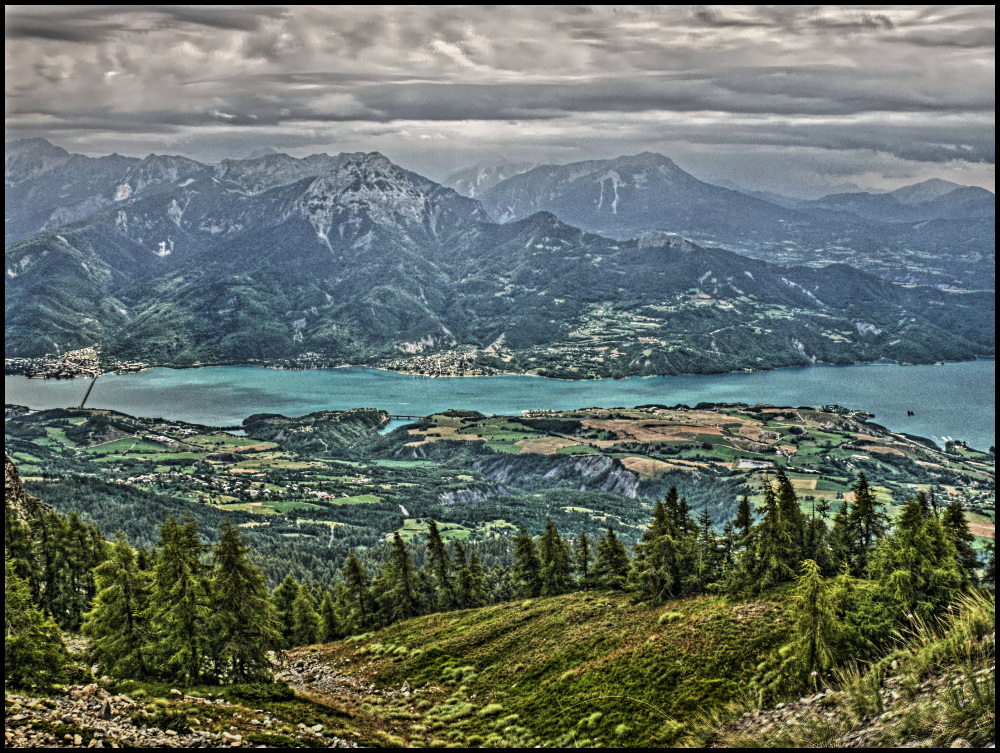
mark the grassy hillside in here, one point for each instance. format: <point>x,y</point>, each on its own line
<point>937,690</point>
<point>588,668</point>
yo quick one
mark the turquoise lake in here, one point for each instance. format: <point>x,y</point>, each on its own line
<point>955,400</point>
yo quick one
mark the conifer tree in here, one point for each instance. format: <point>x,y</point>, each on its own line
<point>867,523</point>
<point>306,624</point>
<point>471,579</point>
<point>957,528</point>
<point>403,594</point>
<point>19,548</point>
<point>527,571</point>
<point>475,586</point>
<point>582,557</point>
<point>611,567</point>
<point>817,545</point>
<point>775,546</point>
<point>34,655</point>
<point>179,604</point>
<point>727,550</point>
<point>916,564</point>
<point>329,625</point>
<point>243,625</point>
<point>792,519</point>
<point>706,558</point>
<point>990,568</point>
<point>679,512</point>
<point>842,534</point>
<point>743,520</point>
<point>655,567</point>
<point>83,549</point>
<point>553,556</point>
<point>355,597</point>
<point>440,568</point>
<point>117,624</point>
<point>811,654</point>
<point>460,564</point>
<point>282,598</point>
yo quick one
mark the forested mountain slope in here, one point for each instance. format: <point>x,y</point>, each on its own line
<point>352,259</point>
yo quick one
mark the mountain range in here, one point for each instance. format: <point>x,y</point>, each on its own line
<point>355,259</point>
<point>935,232</point>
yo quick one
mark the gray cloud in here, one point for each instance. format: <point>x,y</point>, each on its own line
<point>438,85</point>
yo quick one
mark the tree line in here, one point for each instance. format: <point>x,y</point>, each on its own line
<point>183,611</point>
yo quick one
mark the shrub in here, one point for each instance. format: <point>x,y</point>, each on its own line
<point>260,691</point>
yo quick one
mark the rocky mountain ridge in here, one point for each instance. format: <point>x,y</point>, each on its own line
<point>189,263</point>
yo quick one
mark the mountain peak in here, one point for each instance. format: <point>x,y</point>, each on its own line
<point>926,190</point>
<point>369,161</point>
<point>26,158</point>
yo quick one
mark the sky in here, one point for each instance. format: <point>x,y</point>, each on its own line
<point>798,100</point>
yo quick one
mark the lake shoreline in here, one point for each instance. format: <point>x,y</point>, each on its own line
<point>273,367</point>
<point>951,399</point>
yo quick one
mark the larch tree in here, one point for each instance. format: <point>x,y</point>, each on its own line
<point>34,655</point>
<point>282,598</point>
<point>118,622</point>
<point>440,568</point>
<point>957,528</point>
<point>243,625</point>
<point>916,564</point>
<point>867,523</point>
<point>582,559</point>
<point>655,566</point>
<point>179,605</point>
<point>611,567</point>
<point>527,570</point>
<point>306,624</point>
<point>553,555</point>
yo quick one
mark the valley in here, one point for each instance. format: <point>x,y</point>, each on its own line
<point>331,477</point>
<point>500,376</point>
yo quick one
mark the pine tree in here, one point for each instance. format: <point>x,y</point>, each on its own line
<point>306,624</point>
<point>527,571</point>
<point>440,569</point>
<point>957,528</point>
<point>582,558</point>
<point>34,655</point>
<point>553,555</point>
<point>179,604</point>
<point>460,564</point>
<point>611,567</point>
<point>817,545</point>
<point>117,624</point>
<point>866,524</point>
<point>243,625</point>
<point>815,622</point>
<point>282,598</point>
<point>471,580</point>
<point>84,549</point>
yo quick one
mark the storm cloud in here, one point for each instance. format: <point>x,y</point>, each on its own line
<point>899,92</point>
